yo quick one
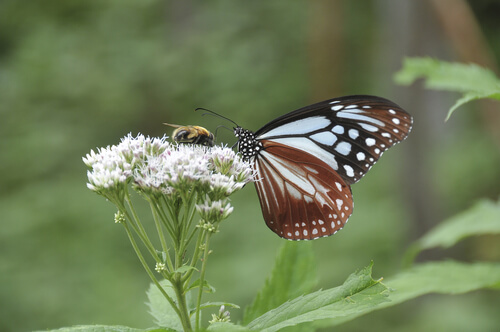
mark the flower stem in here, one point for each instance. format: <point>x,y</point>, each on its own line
<point>185,325</point>
<point>177,285</point>
<point>196,256</point>
<point>202,277</point>
<point>157,217</point>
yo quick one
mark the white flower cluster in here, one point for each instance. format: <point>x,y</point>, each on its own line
<point>214,211</point>
<point>223,316</point>
<point>156,167</point>
<point>112,167</point>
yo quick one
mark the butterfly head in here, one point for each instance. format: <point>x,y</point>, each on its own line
<point>248,145</point>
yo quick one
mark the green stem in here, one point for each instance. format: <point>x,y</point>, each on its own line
<point>196,256</point>
<point>163,242</point>
<point>136,218</point>
<point>142,236</point>
<point>182,303</point>
<point>158,227</point>
<point>185,324</point>
<point>164,218</point>
<point>202,279</point>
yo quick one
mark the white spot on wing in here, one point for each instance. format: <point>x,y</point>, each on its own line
<point>343,148</point>
<point>324,137</point>
<point>293,192</point>
<point>353,133</point>
<point>339,203</point>
<point>298,127</point>
<point>360,156</point>
<point>370,141</point>
<point>289,173</point>
<point>358,117</point>
<point>368,127</point>
<point>349,171</point>
<point>338,130</point>
<point>304,144</point>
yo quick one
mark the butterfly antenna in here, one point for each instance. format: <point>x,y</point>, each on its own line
<point>215,114</point>
<point>221,126</point>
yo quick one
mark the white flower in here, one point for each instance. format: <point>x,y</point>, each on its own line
<point>109,169</point>
<point>158,167</point>
<point>214,211</point>
<point>119,217</point>
<point>223,316</point>
<point>137,149</point>
<point>159,267</point>
<point>227,162</point>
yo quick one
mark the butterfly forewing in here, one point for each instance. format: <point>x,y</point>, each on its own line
<point>349,133</point>
<point>301,197</point>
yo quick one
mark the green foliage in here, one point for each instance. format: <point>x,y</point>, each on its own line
<point>294,274</point>
<point>473,81</point>
<point>227,327</point>
<point>106,328</point>
<point>161,310</point>
<point>442,277</point>
<point>359,294</point>
<point>481,219</point>
<point>77,74</point>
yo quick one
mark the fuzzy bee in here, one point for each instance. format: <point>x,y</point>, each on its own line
<point>192,135</point>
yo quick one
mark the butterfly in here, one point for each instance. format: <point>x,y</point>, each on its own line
<point>306,160</point>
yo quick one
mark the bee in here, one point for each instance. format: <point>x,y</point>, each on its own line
<point>192,135</point>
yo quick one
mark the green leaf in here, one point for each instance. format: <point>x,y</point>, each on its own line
<point>294,274</point>
<point>206,286</point>
<point>161,309</point>
<point>227,327</point>
<point>184,268</point>
<point>483,218</point>
<point>358,295</point>
<point>442,278</point>
<point>470,96</point>
<point>473,81</point>
<point>442,75</point>
<point>106,328</point>
<point>218,304</point>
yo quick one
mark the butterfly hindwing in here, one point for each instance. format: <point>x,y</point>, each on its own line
<point>301,197</point>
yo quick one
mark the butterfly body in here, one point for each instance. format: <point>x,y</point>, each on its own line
<point>306,160</point>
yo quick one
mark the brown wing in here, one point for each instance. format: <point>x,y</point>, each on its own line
<point>301,197</point>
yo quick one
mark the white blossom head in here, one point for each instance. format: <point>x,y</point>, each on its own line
<point>157,167</point>
<point>215,211</point>
<point>111,168</point>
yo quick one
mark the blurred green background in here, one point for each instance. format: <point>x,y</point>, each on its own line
<point>76,75</point>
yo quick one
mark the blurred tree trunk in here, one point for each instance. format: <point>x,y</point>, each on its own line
<point>406,28</point>
<point>464,32</point>
<point>325,47</point>
<point>467,40</point>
